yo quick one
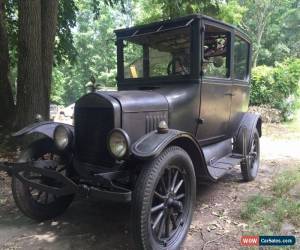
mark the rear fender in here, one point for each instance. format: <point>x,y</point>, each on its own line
<point>152,144</point>
<point>251,122</point>
<point>45,128</point>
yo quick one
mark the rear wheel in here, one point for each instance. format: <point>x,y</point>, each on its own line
<point>36,204</point>
<point>250,166</point>
<point>163,201</point>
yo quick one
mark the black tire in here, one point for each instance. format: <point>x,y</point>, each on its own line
<point>150,193</point>
<point>250,168</point>
<point>23,194</point>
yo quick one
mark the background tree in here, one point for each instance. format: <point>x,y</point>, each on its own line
<point>266,22</point>
<point>32,27</point>
<point>37,29</point>
<point>94,40</point>
<point>77,38</point>
<point>6,97</point>
<point>155,10</point>
<point>255,22</point>
<point>282,34</point>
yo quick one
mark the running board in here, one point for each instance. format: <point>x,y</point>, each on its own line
<point>223,165</point>
<point>227,162</point>
<point>220,159</point>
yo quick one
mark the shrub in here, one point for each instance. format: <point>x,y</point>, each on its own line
<point>277,86</point>
<point>262,82</point>
<point>287,87</point>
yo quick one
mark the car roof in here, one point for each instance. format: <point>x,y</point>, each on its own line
<point>180,22</point>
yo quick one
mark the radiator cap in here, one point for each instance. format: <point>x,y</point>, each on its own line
<point>162,127</point>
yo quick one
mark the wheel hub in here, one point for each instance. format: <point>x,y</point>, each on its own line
<point>172,202</point>
<point>168,205</point>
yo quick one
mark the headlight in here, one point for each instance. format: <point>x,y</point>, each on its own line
<point>62,137</point>
<point>118,143</point>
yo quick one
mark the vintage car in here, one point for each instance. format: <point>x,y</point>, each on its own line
<point>179,118</point>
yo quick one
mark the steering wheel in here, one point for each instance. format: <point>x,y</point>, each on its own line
<point>183,70</point>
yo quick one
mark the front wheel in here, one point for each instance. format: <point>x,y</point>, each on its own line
<point>34,203</point>
<point>163,201</point>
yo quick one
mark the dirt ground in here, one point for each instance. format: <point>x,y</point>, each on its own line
<point>89,224</point>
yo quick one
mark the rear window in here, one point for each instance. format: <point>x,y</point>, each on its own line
<point>241,59</point>
<point>216,52</point>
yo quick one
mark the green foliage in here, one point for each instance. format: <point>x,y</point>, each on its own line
<point>278,86</point>
<point>64,44</point>
<point>262,82</point>
<point>93,39</point>
<point>58,88</point>
<point>232,12</point>
<point>155,10</point>
<point>64,47</point>
<point>272,26</point>
<point>287,87</point>
<point>12,29</point>
<point>98,4</point>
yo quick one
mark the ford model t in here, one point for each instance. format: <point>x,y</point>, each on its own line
<point>179,117</point>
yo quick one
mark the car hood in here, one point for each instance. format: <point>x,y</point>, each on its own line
<point>139,101</point>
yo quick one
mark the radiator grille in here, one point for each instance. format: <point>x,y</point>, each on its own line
<point>92,126</point>
<point>153,119</point>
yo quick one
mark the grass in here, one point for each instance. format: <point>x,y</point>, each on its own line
<point>284,182</point>
<point>266,214</point>
<point>254,204</point>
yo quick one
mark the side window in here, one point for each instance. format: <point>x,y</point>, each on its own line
<point>133,60</point>
<point>158,62</point>
<point>216,53</point>
<point>241,54</point>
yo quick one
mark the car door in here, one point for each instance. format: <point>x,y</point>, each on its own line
<point>216,84</point>
<point>240,80</point>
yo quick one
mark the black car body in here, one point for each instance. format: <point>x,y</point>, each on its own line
<point>183,91</point>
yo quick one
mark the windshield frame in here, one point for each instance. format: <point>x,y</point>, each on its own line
<point>194,31</point>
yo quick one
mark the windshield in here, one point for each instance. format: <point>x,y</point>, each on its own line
<point>158,54</point>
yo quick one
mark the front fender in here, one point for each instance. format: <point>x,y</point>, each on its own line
<point>46,128</point>
<point>152,144</point>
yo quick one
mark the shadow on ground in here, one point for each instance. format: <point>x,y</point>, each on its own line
<point>87,224</point>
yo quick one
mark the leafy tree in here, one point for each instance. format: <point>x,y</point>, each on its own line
<point>232,12</point>
<point>255,21</point>
<point>155,10</point>
<point>40,35</point>
<point>31,31</point>
<point>96,52</point>
<point>270,24</point>
<point>282,35</point>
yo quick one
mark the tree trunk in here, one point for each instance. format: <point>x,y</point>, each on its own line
<point>37,29</point>
<point>262,17</point>
<point>49,12</point>
<point>30,90</point>
<point>6,96</point>
<point>260,31</point>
